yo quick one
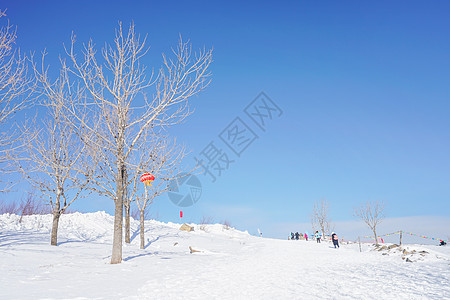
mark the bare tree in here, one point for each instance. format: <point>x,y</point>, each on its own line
<point>116,109</point>
<point>161,158</point>
<point>206,220</point>
<point>25,207</point>
<point>371,213</point>
<point>15,87</point>
<point>53,159</point>
<point>226,224</point>
<point>30,206</point>
<point>320,217</point>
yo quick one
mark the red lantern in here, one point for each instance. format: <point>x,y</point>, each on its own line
<point>147,178</point>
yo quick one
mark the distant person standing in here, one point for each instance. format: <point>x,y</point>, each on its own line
<point>292,236</point>
<point>317,235</point>
<point>297,235</point>
<point>335,239</point>
<point>306,236</point>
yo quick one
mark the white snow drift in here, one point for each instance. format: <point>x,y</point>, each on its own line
<point>230,264</point>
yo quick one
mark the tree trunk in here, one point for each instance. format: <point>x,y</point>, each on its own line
<point>127,222</point>
<point>142,230</point>
<point>56,215</point>
<point>375,235</point>
<point>127,205</point>
<point>54,234</point>
<point>142,212</point>
<point>116,257</point>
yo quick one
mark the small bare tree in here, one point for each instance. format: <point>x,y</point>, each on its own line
<point>371,213</point>
<point>161,158</point>
<point>53,159</point>
<point>226,224</point>
<point>9,207</point>
<point>30,206</point>
<point>320,218</point>
<point>116,109</point>
<point>25,207</point>
<point>15,88</point>
<point>206,220</point>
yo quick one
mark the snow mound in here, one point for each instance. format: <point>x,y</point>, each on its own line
<point>98,226</point>
<point>77,226</point>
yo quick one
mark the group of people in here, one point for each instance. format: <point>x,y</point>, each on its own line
<point>317,235</point>
<point>298,236</point>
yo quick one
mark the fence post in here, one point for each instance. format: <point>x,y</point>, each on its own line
<point>359,241</point>
<point>401,233</point>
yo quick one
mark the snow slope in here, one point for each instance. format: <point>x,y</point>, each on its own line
<point>231,265</point>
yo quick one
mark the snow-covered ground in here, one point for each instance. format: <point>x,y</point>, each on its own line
<point>231,265</point>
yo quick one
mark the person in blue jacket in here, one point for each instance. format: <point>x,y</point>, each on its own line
<point>317,236</point>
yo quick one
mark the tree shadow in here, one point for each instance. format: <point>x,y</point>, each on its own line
<point>21,238</point>
<point>151,254</point>
<point>91,241</point>
<point>135,233</point>
<point>155,240</point>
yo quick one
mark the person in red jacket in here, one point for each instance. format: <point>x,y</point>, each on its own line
<point>335,239</point>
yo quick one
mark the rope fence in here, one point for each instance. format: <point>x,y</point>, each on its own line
<point>409,233</point>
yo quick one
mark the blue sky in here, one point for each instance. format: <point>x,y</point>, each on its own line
<point>364,90</point>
